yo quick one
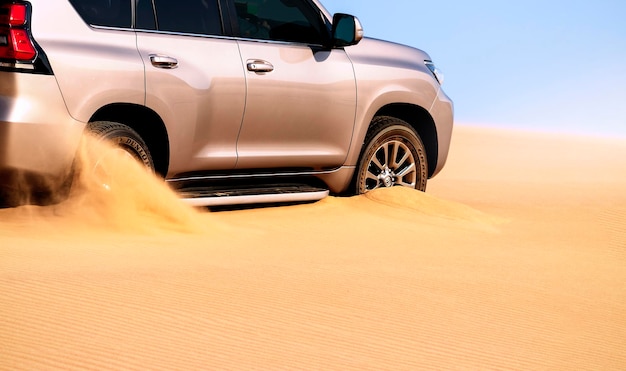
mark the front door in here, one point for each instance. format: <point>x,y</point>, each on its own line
<point>301,96</point>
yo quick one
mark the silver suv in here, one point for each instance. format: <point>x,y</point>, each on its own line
<point>231,101</point>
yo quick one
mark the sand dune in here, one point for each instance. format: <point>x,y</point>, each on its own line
<point>514,259</point>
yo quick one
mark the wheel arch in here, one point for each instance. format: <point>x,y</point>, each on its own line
<point>422,122</point>
<point>147,124</point>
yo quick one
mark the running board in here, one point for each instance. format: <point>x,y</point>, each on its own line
<point>278,194</point>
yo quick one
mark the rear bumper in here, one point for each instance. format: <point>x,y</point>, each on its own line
<point>37,134</point>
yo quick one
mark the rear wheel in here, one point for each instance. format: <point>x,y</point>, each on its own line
<point>123,137</point>
<point>393,156</point>
<point>103,164</point>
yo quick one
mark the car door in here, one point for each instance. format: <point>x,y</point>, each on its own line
<point>194,81</point>
<point>301,95</point>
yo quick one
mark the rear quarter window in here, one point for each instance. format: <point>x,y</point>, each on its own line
<point>108,13</point>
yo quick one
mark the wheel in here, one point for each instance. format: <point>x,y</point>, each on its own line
<point>125,138</point>
<point>102,168</point>
<point>393,156</point>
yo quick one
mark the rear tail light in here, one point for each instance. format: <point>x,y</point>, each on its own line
<point>13,14</point>
<point>16,43</point>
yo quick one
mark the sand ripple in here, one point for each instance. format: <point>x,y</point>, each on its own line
<point>512,274</point>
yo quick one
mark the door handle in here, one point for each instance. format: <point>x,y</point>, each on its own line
<point>255,65</point>
<point>162,61</point>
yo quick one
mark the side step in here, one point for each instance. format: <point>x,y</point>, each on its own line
<point>200,196</point>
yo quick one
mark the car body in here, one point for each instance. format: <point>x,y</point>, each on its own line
<point>220,94</point>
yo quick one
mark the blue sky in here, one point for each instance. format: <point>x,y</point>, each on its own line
<point>542,65</point>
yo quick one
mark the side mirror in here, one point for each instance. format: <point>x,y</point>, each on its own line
<point>347,30</point>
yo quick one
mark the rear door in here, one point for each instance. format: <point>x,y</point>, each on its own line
<point>194,81</point>
<point>301,96</point>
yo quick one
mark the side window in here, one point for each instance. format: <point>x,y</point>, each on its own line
<point>144,15</point>
<point>109,13</point>
<point>189,16</point>
<point>281,20</point>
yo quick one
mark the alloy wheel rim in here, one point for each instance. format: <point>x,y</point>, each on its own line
<point>102,170</point>
<point>392,164</point>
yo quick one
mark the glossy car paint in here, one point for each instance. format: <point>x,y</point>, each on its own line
<point>201,101</point>
<point>93,67</point>
<point>309,115</point>
<point>396,74</point>
<point>35,140</point>
<point>300,115</point>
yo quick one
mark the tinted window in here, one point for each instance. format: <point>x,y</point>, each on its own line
<point>281,20</point>
<point>110,13</point>
<point>189,16</point>
<point>144,18</point>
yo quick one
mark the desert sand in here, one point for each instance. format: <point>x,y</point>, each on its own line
<point>515,258</point>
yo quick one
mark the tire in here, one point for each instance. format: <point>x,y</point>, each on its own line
<point>124,137</point>
<point>394,155</point>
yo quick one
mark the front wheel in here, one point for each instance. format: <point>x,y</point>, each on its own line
<point>393,156</point>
